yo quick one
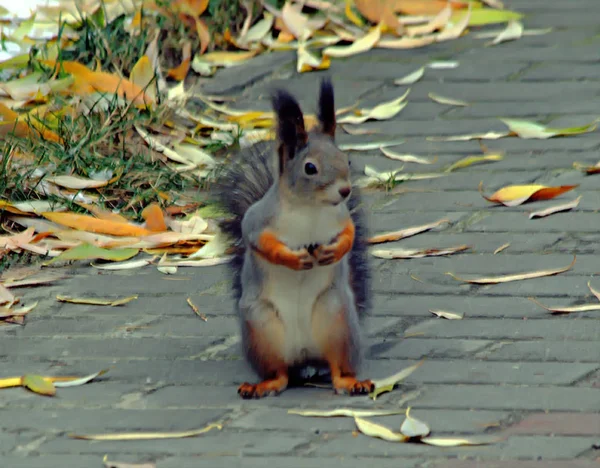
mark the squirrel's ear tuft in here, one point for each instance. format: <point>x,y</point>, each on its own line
<point>291,133</point>
<point>327,108</point>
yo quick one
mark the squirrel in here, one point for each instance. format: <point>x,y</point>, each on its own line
<point>300,267</point>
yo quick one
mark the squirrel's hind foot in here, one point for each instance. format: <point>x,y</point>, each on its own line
<point>265,388</point>
<point>352,386</point>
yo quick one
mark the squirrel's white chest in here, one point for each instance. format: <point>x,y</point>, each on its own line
<point>301,227</point>
<point>294,293</point>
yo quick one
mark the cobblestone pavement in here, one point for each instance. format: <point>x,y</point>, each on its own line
<point>509,367</point>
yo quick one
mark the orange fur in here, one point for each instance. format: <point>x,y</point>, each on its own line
<point>345,240</point>
<point>335,343</point>
<point>265,344</point>
<point>274,251</point>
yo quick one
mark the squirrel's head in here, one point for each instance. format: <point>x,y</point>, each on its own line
<point>311,166</point>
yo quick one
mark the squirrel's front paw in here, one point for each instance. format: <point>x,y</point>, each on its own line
<point>304,260</point>
<point>326,254</point>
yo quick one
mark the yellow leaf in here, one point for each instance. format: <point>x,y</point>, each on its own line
<point>516,276</point>
<point>533,130</point>
<point>10,382</point>
<point>447,314</point>
<point>379,431</point>
<point>514,30</point>
<point>514,195</point>
<point>147,435</point>
<point>568,309</point>
<point>449,101</point>
<point>38,384</point>
<point>484,16</point>
<point>387,384</point>
<point>404,233</point>
<point>350,412</point>
<point>363,44</point>
<point>470,160</point>
<point>411,78</point>
<point>142,75</point>
<point>417,253</point>
<point>383,111</point>
<point>228,59</point>
<point>458,441</point>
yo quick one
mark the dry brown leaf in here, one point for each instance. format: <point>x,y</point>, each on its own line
<point>181,71</point>
<point>404,233</point>
<point>516,276</point>
<point>447,314</point>
<point>595,292</point>
<point>96,300</point>
<point>501,248</point>
<point>417,253</point>
<point>556,209</point>
<point>568,309</point>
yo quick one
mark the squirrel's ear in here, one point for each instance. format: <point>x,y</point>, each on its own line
<point>327,108</point>
<point>291,133</point>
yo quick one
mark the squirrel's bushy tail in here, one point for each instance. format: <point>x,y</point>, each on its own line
<point>243,181</point>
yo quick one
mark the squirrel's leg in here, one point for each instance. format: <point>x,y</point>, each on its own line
<point>276,252</point>
<point>335,328</point>
<point>264,344</point>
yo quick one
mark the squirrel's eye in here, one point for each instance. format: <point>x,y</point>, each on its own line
<point>310,168</point>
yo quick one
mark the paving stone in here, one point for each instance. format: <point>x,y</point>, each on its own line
<point>557,423</point>
<point>546,350</point>
<point>219,443</point>
<point>514,464</point>
<point>288,462</point>
<point>508,397</point>
<point>547,329</point>
<point>514,448</point>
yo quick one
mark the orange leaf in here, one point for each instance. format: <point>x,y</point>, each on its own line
<point>425,7</point>
<point>87,81</point>
<point>10,123</point>
<point>378,11</point>
<point>203,34</point>
<point>98,226</point>
<point>514,195</point>
<point>192,7</point>
<point>154,217</point>
<point>179,73</point>
<point>103,214</point>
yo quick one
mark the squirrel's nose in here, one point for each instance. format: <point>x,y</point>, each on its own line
<point>345,191</point>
